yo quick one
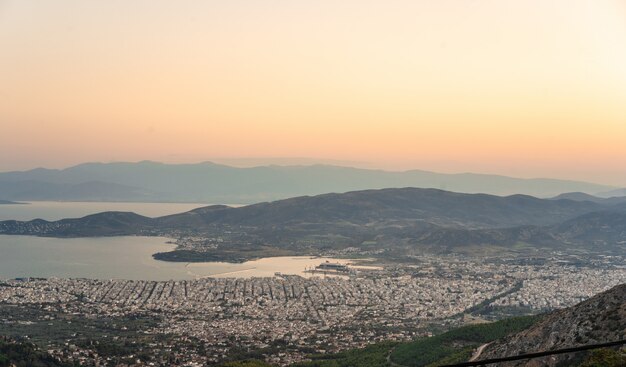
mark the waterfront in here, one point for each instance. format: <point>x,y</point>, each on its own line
<point>128,257</point>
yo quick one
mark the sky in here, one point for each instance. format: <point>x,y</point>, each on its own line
<point>532,88</point>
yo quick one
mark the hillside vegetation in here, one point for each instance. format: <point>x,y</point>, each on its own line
<point>16,354</point>
<point>456,345</point>
<point>599,319</point>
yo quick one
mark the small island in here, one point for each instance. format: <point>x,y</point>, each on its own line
<point>7,202</point>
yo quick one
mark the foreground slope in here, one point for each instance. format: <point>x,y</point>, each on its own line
<point>22,354</point>
<point>456,345</point>
<point>600,319</point>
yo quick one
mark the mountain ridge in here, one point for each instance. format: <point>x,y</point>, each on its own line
<point>581,196</point>
<point>216,183</point>
<point>403,220</point>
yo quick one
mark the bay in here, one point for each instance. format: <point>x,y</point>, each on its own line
<point>128,257</point>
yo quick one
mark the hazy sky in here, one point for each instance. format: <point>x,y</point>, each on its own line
<point>524,88</point>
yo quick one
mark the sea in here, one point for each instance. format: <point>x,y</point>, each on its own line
<point>126,257</point>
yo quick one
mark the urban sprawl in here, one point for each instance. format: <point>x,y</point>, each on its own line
<point>320,314</point>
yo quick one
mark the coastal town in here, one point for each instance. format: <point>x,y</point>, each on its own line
<point>288,317</point>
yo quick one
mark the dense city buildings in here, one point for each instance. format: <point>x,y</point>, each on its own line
<point>317,314</point>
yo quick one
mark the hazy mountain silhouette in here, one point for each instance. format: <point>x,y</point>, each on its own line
<point>86,191</point>
<point>213,183</point>
<point>613,193</point>
<point>581,196</point>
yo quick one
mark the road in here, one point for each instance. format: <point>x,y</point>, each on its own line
<point>478,352</point>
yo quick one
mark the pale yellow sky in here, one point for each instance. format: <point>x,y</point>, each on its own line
<point>525,88</point>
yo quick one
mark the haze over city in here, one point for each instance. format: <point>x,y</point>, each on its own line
<point>520,88</point>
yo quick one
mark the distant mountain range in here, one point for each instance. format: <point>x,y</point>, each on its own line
<point>212,183</point>
<point>405,220</point>
<point>581,196</point>
<point>613,193</point>
<point>599,319</point>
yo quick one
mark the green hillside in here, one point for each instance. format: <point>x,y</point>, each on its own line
<point>453,346</point>
<point>16,354</point>
<point>372,356</point>
<point>456,345</point>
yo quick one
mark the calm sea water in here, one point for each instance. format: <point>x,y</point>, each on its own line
<point>117,257</point>
<point>125,258</point>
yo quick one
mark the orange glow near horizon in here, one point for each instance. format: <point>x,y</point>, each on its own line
<point>525,88</point>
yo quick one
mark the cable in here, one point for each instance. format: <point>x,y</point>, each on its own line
<point>537,354</point>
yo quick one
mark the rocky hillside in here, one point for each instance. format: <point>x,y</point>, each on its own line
<point>600,319</point>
